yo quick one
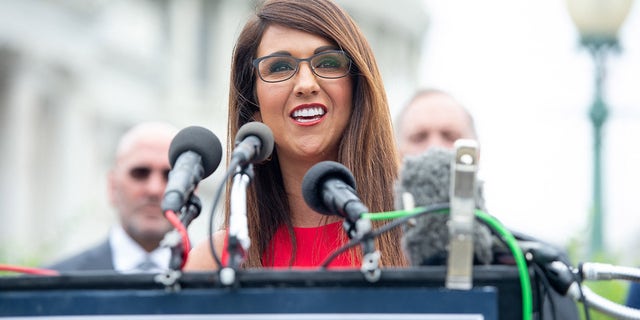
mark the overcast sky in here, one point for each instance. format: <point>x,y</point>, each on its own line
<point>518,67</point>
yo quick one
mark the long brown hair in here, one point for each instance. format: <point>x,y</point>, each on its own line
<point>367,148</point>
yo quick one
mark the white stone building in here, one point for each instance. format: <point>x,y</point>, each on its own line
<point>74,74</point>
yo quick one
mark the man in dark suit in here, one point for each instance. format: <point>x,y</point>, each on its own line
<point>137,182</point>
<point>98,257</point>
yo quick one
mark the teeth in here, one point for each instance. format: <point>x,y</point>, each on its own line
<point>308,112</point>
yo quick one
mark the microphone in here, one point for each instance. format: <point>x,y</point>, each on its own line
<point>566,280</point>
<point>329,188</point>
<point>427,177</point>
<point>194,154</point>
<point>254,143</point>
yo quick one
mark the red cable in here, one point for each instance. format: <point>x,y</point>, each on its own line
<point>186,246</point>
<point>42,272</point>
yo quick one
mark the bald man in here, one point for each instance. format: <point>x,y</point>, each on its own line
<point>432,119</point>
<point>136,185</point>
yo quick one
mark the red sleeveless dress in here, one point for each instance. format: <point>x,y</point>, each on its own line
<point>314,245</point>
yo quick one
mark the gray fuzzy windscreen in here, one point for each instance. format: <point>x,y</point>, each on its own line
<point>427,177</point>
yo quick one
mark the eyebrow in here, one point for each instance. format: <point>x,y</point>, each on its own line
<point>317,50</point>
<point>325,48</point>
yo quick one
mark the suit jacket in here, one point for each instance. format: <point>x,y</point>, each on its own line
<point>98,257</point>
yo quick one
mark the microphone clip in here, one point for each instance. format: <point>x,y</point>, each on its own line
<point>361,230</point>
<point>370,256</point>
<point>464,167</point>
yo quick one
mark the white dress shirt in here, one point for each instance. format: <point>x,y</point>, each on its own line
<point>128,254</point>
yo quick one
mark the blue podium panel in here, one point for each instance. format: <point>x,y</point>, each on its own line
<point>399,295</point>
<point>258,303</point>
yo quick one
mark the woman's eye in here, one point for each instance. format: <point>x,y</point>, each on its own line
<point>281,66</point>
<point>328,63</point>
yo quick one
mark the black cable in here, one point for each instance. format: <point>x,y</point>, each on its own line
<point>583,299</point>
<point>385,228</point>
<point>352,243</point>
<point>390,226</point>
<point>230,170</point>
<point>547,290</point>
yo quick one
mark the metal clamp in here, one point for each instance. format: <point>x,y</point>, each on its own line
<point>464,168</point>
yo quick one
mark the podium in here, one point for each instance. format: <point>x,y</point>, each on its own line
<point>401,294</point>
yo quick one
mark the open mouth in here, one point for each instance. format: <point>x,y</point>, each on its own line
<point>308,114</point>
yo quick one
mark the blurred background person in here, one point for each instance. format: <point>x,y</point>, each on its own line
<point>435,119</point>
<point>432,118</point>
<point>136,185</point>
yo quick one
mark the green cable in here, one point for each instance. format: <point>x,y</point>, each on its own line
<point>391,214</point>
<point>527,300</point>
<point>509,239</point>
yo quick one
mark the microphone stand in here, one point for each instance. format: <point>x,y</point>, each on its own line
<point>239,241</point>
<point>189,212</point>
<point>361,228</point>
<point>173,240</point>
<point>370,256</point>
<point>567,280</point>
<point>564,283</point>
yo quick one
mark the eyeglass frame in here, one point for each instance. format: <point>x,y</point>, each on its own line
<point>256,64</point>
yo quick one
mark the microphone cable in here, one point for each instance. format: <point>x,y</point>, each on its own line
<point>546,289</point>
<point>582,298</point>
<point>601,271</point>
<point>184,235</point>
<point>28,270</point>
<point>241,156</point>
<point>225,179</point>
<point>403,216</point>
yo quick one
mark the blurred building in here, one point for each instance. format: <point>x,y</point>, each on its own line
<point>75,74</point>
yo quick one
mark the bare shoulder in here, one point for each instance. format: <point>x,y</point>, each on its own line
<point>200,258</point>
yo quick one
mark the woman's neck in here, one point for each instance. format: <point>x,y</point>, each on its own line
<point>301,214</point>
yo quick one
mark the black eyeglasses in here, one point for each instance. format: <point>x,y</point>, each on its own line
<point>332,64</point>
<point>143,173</point>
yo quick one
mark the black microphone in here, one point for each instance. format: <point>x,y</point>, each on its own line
<point>194,154</point>
<point>329,188</point>
<point>254,143</point>
<point>427,177</point>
